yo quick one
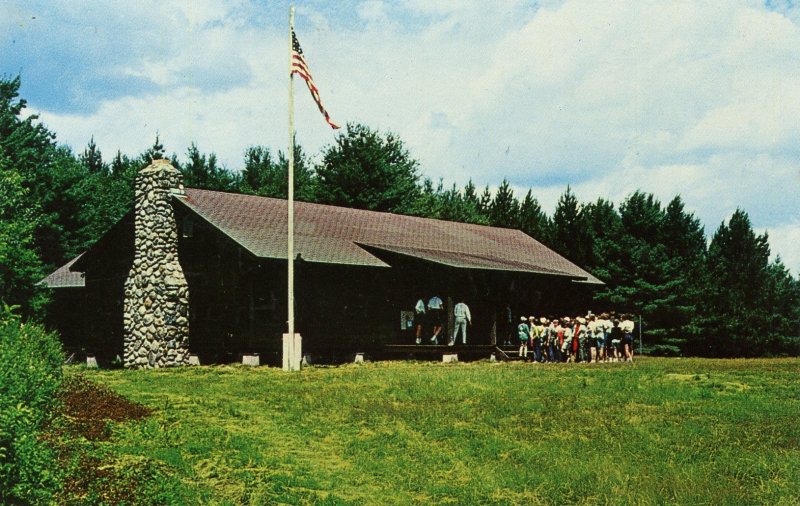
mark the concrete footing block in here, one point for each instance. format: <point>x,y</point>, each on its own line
<point>292,352</point>
<point>448,358</point>
<point>359,358</point>
<point>91,362</point>
<point>252,360</point>
<point>194,360</point>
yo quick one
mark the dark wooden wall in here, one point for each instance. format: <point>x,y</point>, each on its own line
<point>238,301</point>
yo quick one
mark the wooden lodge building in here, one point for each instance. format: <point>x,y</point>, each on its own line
<point>358,275</point>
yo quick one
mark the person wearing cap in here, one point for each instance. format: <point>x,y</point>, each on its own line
<point>435,315</point>
<point>532,337</point>
<point>579,339</point>
<point>558,339</point>
<point>604,325</point>
<point>419,319</point>
<point>523,334</point>
<point>565,339</point>
<point>539,344</point>
<point>553,351</point>
<point>462,318</point>
<point>594,334</point>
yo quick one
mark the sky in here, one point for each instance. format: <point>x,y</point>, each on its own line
<point>699,98</point>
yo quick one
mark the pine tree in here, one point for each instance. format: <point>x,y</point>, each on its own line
<point>259,171</point>
<point>154,152</point>
<point>532,219</point>
<point>428,202</point>
<point>366,169</point>
<point>605,227</point>
<point>733,319</point>
<point>304,178</point>
<point>474,209</point>
<point>570,233</point>
<point>504,209</point>
<point>203,172</point>
<point>92,159</point>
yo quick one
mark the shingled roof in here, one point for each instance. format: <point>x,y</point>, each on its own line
<point>338,235</point>
<point>63,277</point>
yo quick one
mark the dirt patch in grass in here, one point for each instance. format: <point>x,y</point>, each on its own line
<point>94,475</point>
<point>88,407</point>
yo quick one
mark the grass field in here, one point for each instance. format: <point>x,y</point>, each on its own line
<point>660,431</point>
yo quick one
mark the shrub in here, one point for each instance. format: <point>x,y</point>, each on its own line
<point>30,375</point>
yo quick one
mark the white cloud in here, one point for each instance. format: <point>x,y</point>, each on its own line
<point>693,98</point>
<point>784,241</point>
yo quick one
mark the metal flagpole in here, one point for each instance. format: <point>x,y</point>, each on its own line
<point>640,334</point>
<point>290,249</point>
<point>290,211</point>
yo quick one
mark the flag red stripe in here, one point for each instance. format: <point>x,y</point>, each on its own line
<point>300,67</point>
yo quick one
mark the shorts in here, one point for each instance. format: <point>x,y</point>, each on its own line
<point>601,342</point>
<point>628,339</point>
<point>419,319</point>
<point>435,316</point>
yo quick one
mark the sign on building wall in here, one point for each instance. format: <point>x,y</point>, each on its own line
<point>406,320</point>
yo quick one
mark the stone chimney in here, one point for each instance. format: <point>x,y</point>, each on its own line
<point>156,309</point>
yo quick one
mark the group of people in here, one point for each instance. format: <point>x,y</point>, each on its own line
<point>432,315</point>
<point>606,337</point>
<point>593,338</point>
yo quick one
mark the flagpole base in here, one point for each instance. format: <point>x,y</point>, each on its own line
<point>292,352</point>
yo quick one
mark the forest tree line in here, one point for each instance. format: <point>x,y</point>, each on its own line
<point>717,297</point>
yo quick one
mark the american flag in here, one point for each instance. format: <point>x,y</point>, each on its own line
<point>300,68</point>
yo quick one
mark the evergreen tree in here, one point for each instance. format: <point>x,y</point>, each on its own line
<point>203,172</point>
<point>154,152</point>
<point>570,232</point>
<point>782,299</point>
<point>643,284</point>
<point>123,168</point>
<point>605,227</point>
<point>262,175</point>
<point>473,209</point>
<point>259,173</point>
<point>304,178</point>
<point>485,202</point>
<point>734,319</point>
<point>504,209</point>
<point>368,170</point>
<point>455,207</point>
<point>532,219</point>
<point>92,159</point>
<point>428,202</point>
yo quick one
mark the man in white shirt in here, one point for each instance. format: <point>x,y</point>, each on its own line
<point>463,317</point>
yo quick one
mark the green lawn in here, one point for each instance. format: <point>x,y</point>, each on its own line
<point>660,431</point>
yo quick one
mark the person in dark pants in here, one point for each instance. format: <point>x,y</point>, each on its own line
<point>419,319</point>
<point>435,315</point>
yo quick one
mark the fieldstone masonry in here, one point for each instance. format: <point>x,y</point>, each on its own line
<point>156,310</point>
